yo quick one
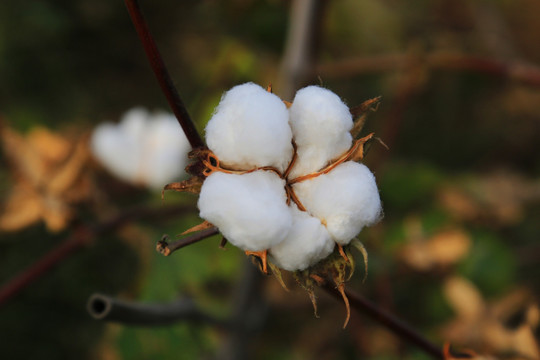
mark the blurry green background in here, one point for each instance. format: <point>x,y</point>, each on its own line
<point>460,183</point>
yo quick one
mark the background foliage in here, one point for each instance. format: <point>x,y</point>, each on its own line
<point>456,255</point>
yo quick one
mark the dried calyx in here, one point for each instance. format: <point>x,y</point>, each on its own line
<point>282,181</point>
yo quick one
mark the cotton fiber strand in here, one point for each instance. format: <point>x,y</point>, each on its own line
<point>307,243</point>
<point>250,129</point>
<point>346,199</point>
<point>250,209</point>
<point>320,123</point>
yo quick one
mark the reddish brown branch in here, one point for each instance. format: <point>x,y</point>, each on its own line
<point>394,324</point>
<point>513,70</point>
<point>78,240</point>
<point>40,267</point>
<point>162,75</point>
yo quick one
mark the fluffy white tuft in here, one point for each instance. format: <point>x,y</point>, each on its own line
<point>320,123</point>
<point>143,148</point>
<point>166,149</point>
<point>250,210</point>
<point>346,199</point>
<point>307,243</point>
<point>250,129</point>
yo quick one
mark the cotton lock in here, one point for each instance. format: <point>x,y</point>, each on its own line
<point>250,210</point>
<point>320,123</point>
<point>346,199</point>
<point>250,128</point>
<point>307,242</point>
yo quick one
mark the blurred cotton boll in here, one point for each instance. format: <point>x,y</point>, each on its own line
<point>148,149</point>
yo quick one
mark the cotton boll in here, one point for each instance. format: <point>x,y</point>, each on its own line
<point>143,148</point>
<point>250,129</point>
<point>320,123</point>
<point>346,199</point>
<point>307,243</point>
<point>250,210</point>
<point>166,151</point>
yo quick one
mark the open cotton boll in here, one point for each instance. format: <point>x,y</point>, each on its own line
<point>320,123</point>
<point>250,129</point>
<point>346,199</point>
<point>250,209</point>
<point>307,243</point>
<point>143,148</point>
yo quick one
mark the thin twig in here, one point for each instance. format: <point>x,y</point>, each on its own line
<point>107,308</point>
<point>79,239</point>
<point>167,249</point>
<point>13,286</point>
<point>394,324</point>
<point>300,46</point>
<point>162,75</point>
<point>513,70</point>
<point>248,315</point>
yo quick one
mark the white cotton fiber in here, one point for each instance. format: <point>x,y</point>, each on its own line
<point>320,123</point>
<point>119,146</point>
<point>166,149</point>
<point>307,243</point>
<point>346,199</point>
<point>250,209</point>
<point>143,148</point>
<point>250,129</point>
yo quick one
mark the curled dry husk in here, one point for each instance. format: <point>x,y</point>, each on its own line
<point>336,269</point>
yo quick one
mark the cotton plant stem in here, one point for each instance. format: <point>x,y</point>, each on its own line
<point>43,265</point>
<point>518,71</point>
<point>249,311</point>
<point>107,308</point>
<point>162,74</point>
<point>79,239</point>
<point>397,326</point>
<point>304,24</point>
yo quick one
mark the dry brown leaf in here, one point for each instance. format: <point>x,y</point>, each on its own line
<point>48,171</point>
<point>22,208</point>
<point>443,249</point>
<point>521,101</point>
<point>23,157</point>
<point>51,147</point>
<point>482,326</point>
<point>458,203</point>
<point>525,341</point>
<point>67,174</point>
<point>448,247</point>
<point>464,298</point>
<point>497,198</point>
